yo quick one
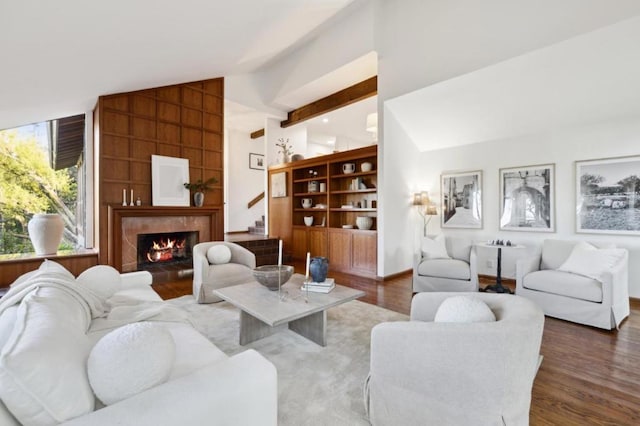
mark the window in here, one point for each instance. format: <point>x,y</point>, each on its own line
<point>42,171</point>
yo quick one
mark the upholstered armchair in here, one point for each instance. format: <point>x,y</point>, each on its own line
<point>444,373</point>
<point>577,282</point>
<point>445,263</point>
<point>219,264</point>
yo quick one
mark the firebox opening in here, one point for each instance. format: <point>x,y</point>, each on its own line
<point>168,248</point>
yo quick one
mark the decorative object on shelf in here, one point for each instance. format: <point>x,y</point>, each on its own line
<point>461,199</point>
<point>138,202</point>
<point>347,226</point>
<point>323,187</point>
<point>200,188</point>
<point>124,197</point>
<point>348,168</point>
<point>167,173</point>
<point>527,198</point>
<point>308,220</point>
<point>425,208</point>
<point>297,157</point>
<point>313,186</point>
<point>364,222</point>
<point>273,276</point>
<point>307,203</point>
<point>131,202</point>
<point>256,161</point>
<point>45,232</point>
<point>279,185</point>
<point>366,166</point>
<point>324,220</point>
<point>318,268</point>
<point>285,151</point>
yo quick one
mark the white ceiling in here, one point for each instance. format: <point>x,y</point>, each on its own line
<point>588,78</point>
<point>59,56</point>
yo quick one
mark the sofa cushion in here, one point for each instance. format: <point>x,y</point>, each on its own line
<point>43,377</point>
<point>228,274</point>
<point>591,262</point>
<point>463,309</point>
<point>564,284</point>
<point>218,254</point>
<point>459,248</point>
<point>103,280</point>
<point>445,268</point>
<point>434,248</point>
<point>555,252</point>
<point>130,360</point>
<point>193,350</point>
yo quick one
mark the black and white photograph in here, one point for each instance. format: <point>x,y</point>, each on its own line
<point>461,199</point>
<point>527,198</point>
<point>256,161</point>
<point>607,193</point>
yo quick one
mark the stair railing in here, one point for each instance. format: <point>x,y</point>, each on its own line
<point>255,200</point>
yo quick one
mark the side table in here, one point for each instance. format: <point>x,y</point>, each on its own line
<point>498,287</point>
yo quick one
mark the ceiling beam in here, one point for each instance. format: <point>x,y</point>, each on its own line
<point>342,98</point>
<point>257,134</point>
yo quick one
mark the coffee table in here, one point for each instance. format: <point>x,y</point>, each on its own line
<point>262,310</point>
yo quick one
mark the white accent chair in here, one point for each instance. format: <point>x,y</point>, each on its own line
<point>441,373</point>
<point>208,277</point>
<point>434,273</point>
<point>569,296</point>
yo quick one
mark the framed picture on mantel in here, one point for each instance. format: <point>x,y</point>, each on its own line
<point>168,176</point>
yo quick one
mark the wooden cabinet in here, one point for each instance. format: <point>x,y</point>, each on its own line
<point>332,192</point>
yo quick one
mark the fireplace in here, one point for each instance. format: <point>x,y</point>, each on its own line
<point>166,248</point>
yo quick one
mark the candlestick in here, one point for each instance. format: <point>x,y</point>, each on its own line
<point>306,273</point>
<point>124,197</point>
<point>131,202</point>
<point>280,253</point>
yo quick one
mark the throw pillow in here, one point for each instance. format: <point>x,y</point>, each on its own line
<point>130,360</point>
<point>589,261</point>
<point>434,248</point>
<point>464,309</point>
<point>103,280</point>
<point>219,254</point>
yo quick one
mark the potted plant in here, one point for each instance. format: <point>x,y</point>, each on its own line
<point>285,150</point>
<point>199,189</point>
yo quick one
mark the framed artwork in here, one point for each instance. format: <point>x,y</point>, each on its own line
<point>256,161</point>
<point>527,198</point>
<point>461,199</point>
<point>608,196</point>
<point>168,176</point>
<point>279,185</point>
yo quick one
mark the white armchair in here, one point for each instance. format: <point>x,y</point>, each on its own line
<point>438,373</point>
<point>208,277</point>
<point>445,263</point>
<point>601,302</point>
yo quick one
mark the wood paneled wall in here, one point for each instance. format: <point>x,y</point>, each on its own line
<point>184,120</point>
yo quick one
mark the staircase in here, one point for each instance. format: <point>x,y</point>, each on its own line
<point>258,229</point>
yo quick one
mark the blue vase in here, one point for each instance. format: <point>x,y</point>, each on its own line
<point>318,268</point>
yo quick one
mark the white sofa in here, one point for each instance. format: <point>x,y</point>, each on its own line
<point>444,373</point>
<point>445,263</point>
<point>47,343</point>
<point>586,295</point>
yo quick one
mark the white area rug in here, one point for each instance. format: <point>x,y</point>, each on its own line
<point>316,385</point>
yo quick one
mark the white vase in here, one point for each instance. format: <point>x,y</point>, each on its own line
<point>45,231</point>
<point>283,158</point>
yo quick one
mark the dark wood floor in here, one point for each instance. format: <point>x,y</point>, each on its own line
<point>588,377</point>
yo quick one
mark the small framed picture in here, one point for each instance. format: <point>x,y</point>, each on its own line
<point>256,161</point>
<point>461,199</point>
<point>279,185</point>
<point>527,198</point>
<point>607,196</point>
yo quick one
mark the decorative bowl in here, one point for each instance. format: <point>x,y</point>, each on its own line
<point>270,275</point>
<point>308,220</point>
<point>364,222</point>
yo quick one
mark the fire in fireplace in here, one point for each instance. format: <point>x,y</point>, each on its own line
<point>165,248</point>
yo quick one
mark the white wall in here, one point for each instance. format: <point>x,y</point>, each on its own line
<point>243,183</point>
<point>561,147</point>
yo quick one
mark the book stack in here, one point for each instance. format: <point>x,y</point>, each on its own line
<point>324,287</point>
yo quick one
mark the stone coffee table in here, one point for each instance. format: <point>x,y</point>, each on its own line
<point>261,311</point>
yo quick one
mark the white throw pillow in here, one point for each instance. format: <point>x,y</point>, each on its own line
<point>464,309</point>
<point>434,248</point>
<point>589,261</point>
<point>219,254</point>
<point>130,360</point>
<point>103,280</point>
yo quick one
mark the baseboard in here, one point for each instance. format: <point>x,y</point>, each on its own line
<point>400,274</point>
